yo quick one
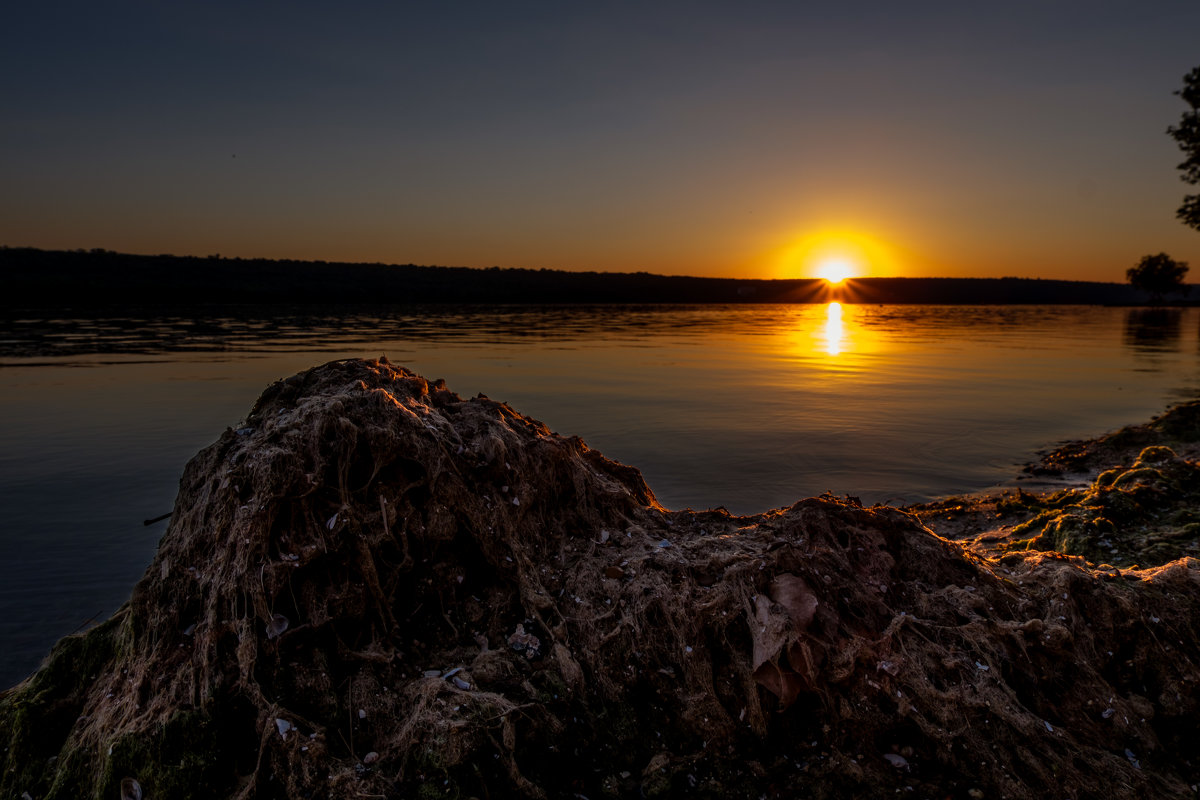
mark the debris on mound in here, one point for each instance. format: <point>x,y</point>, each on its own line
<point>378,589</point>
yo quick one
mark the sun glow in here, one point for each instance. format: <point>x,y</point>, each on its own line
<point>835,254</point>
<point>836,270</point>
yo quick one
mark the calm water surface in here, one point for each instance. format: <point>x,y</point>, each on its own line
<point>748,407</point>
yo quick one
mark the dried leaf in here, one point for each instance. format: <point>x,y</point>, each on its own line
<point>791,592</point>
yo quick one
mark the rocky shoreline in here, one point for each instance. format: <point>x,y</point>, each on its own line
<point>377,588</point>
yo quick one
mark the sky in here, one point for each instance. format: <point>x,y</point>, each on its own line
<point>748,139</point>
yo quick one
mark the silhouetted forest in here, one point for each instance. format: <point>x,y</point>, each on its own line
<point>79,279</point>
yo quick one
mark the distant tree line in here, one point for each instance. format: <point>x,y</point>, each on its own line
<point>102,278</point>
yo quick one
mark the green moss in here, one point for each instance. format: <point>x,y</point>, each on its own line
<point>1067,497</point>
<point>620,723</point>
<point>1034,525</point>
<point>1140,476</point>
<point>1129,438</point>
<point>1181,423</point>
<point>76,661</point>
<point>1022,501</point>
<point>194,755</point>
<point>1077,535</point>
<point>550,686</point>
<point>1155,454</point>
<point>36,717</point>
<point>438,790</point>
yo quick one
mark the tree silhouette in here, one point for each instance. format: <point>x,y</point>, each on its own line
<point>1158,274</point>
<point>1187,135</point>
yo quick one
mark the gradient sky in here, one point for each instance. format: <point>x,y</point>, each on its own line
<point>709,138</point>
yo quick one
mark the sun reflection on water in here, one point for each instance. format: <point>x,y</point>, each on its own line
<point>835,340</point>
<point>835,329</point>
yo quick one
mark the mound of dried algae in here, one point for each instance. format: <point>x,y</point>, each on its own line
<point>379,589</point>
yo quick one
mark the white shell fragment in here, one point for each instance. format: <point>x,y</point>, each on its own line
<point>332,522</point>
<point>370,758</point>
<point>283,726</point>
<point>897,761</point>
<point>460,683</point>
<point>277,625</point>
<point>130,789</point>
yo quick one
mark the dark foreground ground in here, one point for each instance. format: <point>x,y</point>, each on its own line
<point>375,588</point>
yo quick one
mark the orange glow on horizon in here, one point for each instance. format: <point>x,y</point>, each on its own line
<point>835,254</point>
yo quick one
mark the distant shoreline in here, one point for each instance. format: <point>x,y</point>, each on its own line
<point>94,279</point>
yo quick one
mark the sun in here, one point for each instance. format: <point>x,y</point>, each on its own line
<point>835,270</point>
<point>834,253</point>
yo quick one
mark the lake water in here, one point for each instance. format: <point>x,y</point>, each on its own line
<point>749,407</point>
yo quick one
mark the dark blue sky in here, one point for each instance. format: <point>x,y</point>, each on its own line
<point>1023,138</point>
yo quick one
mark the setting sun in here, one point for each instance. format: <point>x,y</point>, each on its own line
<point>835,270</point>
<point>835,253</point>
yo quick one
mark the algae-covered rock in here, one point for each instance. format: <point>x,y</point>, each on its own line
<point>1176,428</point>
<point>375,588</point>
<point>1147,513</point>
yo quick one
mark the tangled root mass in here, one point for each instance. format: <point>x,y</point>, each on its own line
<point>376,588</point>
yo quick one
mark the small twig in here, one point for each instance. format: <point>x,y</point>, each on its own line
<point>87,622</point>
<point>350,714</point>
<point>159,518</point>
<point>506,712</point>
<point>446,617</point>
<point>407,562</point>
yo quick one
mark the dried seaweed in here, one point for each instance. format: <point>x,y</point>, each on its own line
<point>375,588</point>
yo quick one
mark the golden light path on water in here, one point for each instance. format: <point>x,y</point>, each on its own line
<point>835,329</point>
<point>835,344</point>
<point>827,337</point>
